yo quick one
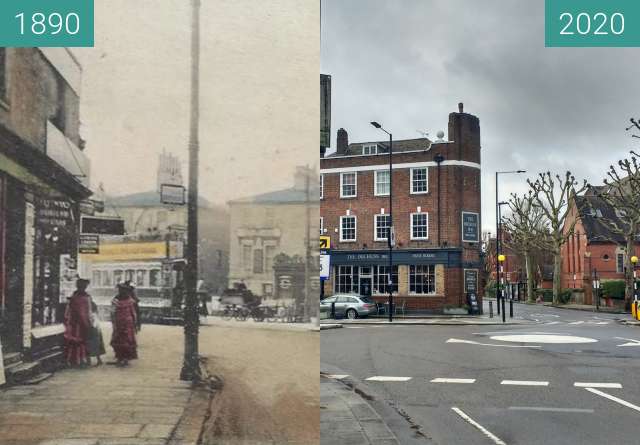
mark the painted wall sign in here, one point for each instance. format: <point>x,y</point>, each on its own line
<point>54,213</point>
<point>470,227</point>
<point>89,244</point>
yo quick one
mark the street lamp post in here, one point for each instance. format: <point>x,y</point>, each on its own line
<point>634,261</point>
<point>596,288</point>
<point>498,234</point>
<point>500,301</point>
<point>390,232</point>
<point>191,361</point>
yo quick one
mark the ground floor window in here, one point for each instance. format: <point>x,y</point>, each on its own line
<point>381,279</point>
<point>422,279</point>
<point>346,279</point>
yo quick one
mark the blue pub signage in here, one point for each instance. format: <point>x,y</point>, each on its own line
<point>470,227</point>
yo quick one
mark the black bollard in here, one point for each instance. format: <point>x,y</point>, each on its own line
<point>333,310</point>
<point>490,309</point>
<point>510,308</point>
<point>504,311</point>
<point>498,303</point>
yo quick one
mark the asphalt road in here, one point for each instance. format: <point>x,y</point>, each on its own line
<point>517,390</point>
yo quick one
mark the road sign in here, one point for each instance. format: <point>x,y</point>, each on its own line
<point>325,242</point>
<point>89,244</point>
<point>172,194</point>
<point>325,266</point>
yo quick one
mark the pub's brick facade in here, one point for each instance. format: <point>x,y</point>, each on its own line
<point>434,185</point>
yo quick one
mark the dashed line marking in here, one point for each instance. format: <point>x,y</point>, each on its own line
<point>337,376</point>
<point>383,378</point>
<point>447,380</point>
<point>524,383</point>
<point>576,322</point>
<point>550,409</point>
<point>614,399</point>
<point>597,385</point>
<point>495,439</point>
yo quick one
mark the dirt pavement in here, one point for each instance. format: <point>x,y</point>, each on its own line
<point>271,386</point>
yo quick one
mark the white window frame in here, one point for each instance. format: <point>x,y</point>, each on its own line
<point>426,169</point>
<point>355,229</point>
<point>321,226</point>
<point>373,149</point>
<point>435,280</point>
<point>355,176</point>
<point>375,182</point>
<point>321,186</point>
<point>375,227</point>
<point>411,226</point>
<point>618,255</point>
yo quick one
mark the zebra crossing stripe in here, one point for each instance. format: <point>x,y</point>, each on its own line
<point>383,378</point>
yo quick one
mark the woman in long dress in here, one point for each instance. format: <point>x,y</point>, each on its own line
<point>124,319</point>
<point>95,344</point>
<point>77,325</point>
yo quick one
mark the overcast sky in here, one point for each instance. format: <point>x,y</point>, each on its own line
<point>260,105</point>
<point>408,63</point>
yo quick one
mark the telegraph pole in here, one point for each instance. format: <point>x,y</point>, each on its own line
<point>191,364</point>
<point>307,241</point>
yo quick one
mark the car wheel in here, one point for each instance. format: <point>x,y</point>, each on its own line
<point>352,314</point>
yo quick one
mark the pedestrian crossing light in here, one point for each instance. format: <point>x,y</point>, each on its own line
<point>501,258</point>
<point>634,260</point>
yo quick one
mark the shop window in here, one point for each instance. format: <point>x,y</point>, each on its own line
<point>422,279</point>
<point>347,228</point>
<point>346,279</point>
<point>96,278</point>
<point>381,279</point>
<point>107,278</point>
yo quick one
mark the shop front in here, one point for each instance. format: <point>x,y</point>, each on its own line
<point>426,279</point>
<point>39,210</point>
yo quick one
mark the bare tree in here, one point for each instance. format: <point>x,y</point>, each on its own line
<point>622,193</point>
<point>526,230</point>
<point>551,194</point>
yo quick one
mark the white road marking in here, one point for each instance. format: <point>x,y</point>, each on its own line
<point>576,322</point>
<point>471,342</point>
<point>631,341</point>
<point>545,315</point>
<point>337,376</point>
<point>552,322</point>
<point>601,322</point>
<point>550,409</point>
<point>615,399</point>
<point>383,378</point>
<point>524,383</point>
<point>543,338</point>
<point>446,380</point>
<point>597,385</point>
<point>495,439</point>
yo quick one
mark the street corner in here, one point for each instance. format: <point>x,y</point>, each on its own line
<point>326,326</point>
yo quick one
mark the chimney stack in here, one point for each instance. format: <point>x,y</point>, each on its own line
<point>342,142</point>
<point>460,107</point>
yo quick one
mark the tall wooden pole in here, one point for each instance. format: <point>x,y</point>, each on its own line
<point>191,367</point>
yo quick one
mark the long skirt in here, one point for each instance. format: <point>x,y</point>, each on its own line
<point>124,342</point>
<point>95,343</point>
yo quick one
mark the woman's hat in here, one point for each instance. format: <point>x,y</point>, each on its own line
<point>82,282</point>
<point>126,285</point>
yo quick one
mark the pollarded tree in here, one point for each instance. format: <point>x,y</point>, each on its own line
<point>551,194</point>
<point>526,230</point>
<point>622,193</point>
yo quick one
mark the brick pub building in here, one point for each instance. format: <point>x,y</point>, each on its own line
<point>436,186</point>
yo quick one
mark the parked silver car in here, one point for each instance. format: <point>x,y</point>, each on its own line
<point>349,305</point>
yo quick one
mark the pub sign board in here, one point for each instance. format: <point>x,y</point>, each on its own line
<point>470,227</point>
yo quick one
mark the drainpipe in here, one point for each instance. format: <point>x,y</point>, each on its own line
<point>439,159</point>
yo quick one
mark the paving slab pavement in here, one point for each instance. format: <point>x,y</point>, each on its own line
<point>347,418</point>
<point>143,404</point>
